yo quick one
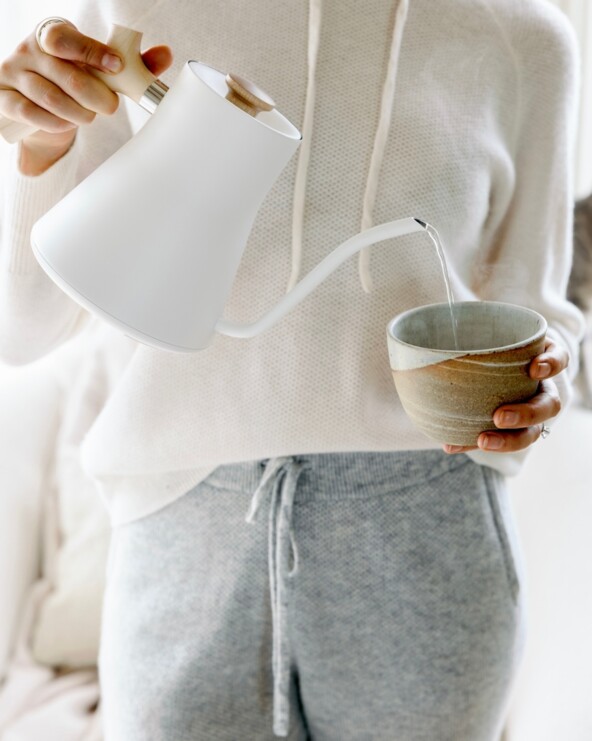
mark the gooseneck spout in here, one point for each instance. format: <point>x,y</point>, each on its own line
<point>317,275</point>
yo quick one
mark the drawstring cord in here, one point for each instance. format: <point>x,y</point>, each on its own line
<point>381,138</point>
<point>279,485</point>
<point>314,35</point>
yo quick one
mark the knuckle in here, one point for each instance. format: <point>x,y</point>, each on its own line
<point>75,82</point>
<point>90,52</point>
<point>556,405</point>
<point>23,49</point>
<point>24,108</point>
<point>87,53</point>
<point>51,100</point>
<point>6,69</point>
<point>54,39</point>
<point>530,417</point>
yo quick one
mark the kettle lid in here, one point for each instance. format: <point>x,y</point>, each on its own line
<point>247,96</point>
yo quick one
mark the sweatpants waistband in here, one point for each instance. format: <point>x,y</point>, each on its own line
<point>346,475</point>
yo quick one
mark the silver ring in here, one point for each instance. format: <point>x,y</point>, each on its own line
<point>42,26</point>
<point>545,431</point>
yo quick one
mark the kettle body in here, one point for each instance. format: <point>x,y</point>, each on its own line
<point>152,239</point>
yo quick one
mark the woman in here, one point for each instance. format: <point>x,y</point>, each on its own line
<point>392,608</point>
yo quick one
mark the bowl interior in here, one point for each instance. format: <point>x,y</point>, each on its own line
<point>480,325</point>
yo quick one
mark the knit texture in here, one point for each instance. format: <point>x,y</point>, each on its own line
<point>479,145</point>
<point>397,613</point>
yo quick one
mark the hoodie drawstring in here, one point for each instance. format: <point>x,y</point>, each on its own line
<point>314,35</point>
<point>279,484</point>
<point>380,140</point>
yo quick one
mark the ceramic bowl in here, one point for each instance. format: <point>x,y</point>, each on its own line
<point>450,392</point>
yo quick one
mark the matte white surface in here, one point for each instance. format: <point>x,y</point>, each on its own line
<point>153,237</point>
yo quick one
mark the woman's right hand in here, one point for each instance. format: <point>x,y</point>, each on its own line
<point>54,91</point>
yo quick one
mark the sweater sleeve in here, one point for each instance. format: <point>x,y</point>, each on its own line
<point>35,315</point>
<point>529,259</point>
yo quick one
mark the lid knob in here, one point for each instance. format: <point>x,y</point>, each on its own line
<point>246,95</point>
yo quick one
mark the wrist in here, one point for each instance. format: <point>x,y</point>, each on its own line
<point>37,153</point>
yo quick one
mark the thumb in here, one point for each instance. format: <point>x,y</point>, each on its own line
<point>158,59</point>
<point>65,41</point>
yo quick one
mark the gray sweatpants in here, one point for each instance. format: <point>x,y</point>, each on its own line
<point>372,597</point>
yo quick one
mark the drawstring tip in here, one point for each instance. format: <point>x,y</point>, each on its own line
<point>253,510</point>
<point>251,515</point>
<point>366,281</point>
<point>291,283</point>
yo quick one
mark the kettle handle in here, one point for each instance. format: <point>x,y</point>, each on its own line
<point>134,80</point>
<point>354,244</point>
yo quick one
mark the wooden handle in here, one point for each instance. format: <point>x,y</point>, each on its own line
<point>132,81</point>
<point>135,77</point>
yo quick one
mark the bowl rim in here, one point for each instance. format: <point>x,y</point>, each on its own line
<point>456,353</point>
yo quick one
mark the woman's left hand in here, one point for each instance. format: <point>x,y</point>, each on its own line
<point>521,424</point>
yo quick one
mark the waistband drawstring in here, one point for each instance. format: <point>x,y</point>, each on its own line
<point>279,483</point>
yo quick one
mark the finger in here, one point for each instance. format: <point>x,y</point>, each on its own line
<point>65,41</point>
<point>88,91</point>
<point>550,362</point>
<point>158,59</point>
<point>543,406</point>
<point>509,442</point>
<point>17,107</point>
<point>453,449</point>
<point>52,99</point>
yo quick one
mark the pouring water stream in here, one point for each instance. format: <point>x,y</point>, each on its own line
<point>435,237</point>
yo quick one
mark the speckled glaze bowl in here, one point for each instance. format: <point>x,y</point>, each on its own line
<point>450,394</point>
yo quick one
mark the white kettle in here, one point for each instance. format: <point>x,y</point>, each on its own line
<point>152,239</point>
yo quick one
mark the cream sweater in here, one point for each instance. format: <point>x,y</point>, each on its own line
<point>460,112</point>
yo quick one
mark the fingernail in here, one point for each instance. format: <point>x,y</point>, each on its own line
<point>543,370</point>
<point>509,419</point>
<point>492,442</point>
<point>111,62</point>
<point>452,448</point>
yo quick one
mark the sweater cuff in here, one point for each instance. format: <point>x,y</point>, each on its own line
<point>27,198</point>
<point>564,380</point>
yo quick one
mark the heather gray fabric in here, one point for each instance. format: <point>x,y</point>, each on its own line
<point>394,612</point>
